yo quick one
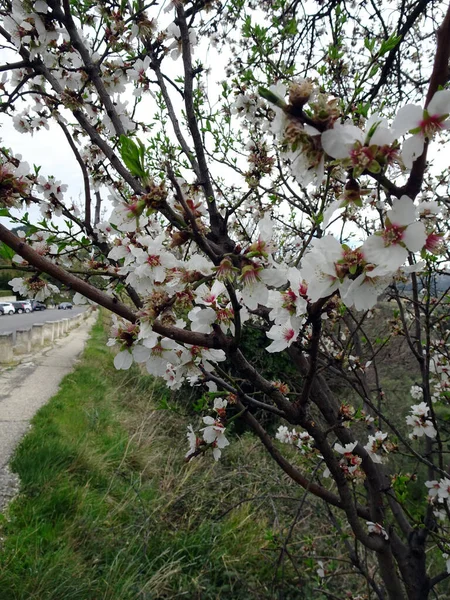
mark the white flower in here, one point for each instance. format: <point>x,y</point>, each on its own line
<point>418,420</point>
<point>374,444</point>
<point>192,440</point>
<point>318,267</point>
<point>433,488</point>
<point>377,529</point>
<point>123,360</point>
<point>321,569</point>
<point>283,336</point>
<point>202,319</point>
<point>339,141</point>
<point>402,233</point>
<point>220,404</point>
<point>19,285</point>
<point>214,434</point>
<point>362,150</point>
<point>423,123</point>
<point>363,292</point>
<point>173,31</point>
<point>284,435</point>
<point>444,488</point>
<point>416,392</point>
<point>446,557</point>
<point>347,449</point>
<point>205,295</point>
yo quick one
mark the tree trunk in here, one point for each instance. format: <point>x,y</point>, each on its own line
<point>411,560</point>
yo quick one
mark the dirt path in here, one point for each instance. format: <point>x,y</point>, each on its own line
<point>27,387</point>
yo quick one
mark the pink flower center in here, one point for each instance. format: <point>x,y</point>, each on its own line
<point>431,125</point>
<point>393,234</point>
<point>153,260</point>
<point>289,298</point>
<point>288,334</point>
<point>434,242</point>
<point>250,274</point>
<point>362,155</point>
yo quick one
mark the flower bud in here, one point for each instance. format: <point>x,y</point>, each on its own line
<point>300,93</point>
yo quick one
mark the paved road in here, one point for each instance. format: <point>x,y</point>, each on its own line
<point>27,387</point>
<point>25,320</point>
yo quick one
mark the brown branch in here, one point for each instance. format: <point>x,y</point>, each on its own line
<point>415,14</point>
<point>173,119</point>
<point>17,65</point>
<point>84,171</point>
<point>218,224</point>
<point>200,239</point>
<point>99,297</point>
<point>439,77</point>
<point>242,395</point>
<point>92,69</point>
<point>98,206</point>
<point>316,323</point>
<point>288,468</point>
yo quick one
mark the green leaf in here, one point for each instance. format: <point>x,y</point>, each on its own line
<point>6,252</point>
<point>4,212</point>
<point>389,44</point>
<point>374,70</point>
<point>133,156</point>
<point>291,27</point>
<point>271,97</point>
<point>369,44</point>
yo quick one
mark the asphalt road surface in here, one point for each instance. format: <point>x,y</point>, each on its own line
<point>10,323</point>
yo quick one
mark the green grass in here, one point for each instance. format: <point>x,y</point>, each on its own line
<point>109,510</point>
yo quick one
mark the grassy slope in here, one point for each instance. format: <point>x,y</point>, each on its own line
<point>110,510</point>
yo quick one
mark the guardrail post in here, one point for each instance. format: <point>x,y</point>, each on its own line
<point>37,335</point>
<point>49,331</point>
<point>6,347</point>
<point>23,341</point>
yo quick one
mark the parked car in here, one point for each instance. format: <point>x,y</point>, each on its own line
<point>38,305</point>
<point>8,308</point>
<point>22,306</point>
<point>2,312</point>
<point>65,306</point>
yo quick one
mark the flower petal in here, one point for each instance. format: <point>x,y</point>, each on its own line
<point>123,360</point>
<point>403,211</point>
<point>439,103</point>
<point>412,148</point>
<point>414,236</point>
<point>407,118</point>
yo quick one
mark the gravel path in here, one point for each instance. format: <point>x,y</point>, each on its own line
<point>27,387</point>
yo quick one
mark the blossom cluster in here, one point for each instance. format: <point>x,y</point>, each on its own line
<point>349,463</point>
<point>419,421</point>
<point>302,440</point>
<point>213,435</point>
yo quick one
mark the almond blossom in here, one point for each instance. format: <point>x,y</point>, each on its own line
<point>193,441</point>
<point>416,392</point>
<point>330,266</point>
<point>419,422</point>
<point>402,234</point>
<point>424,123</point>
<point>214,434</point>
<point>350,463</point>
<point>363,151</point>
<point>284,335</point>
<point>377,529</point>
<point>302,440</point>
<point>173,32</point>
<point>376,444</point>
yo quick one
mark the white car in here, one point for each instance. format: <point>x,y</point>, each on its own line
<point>8,308</point>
